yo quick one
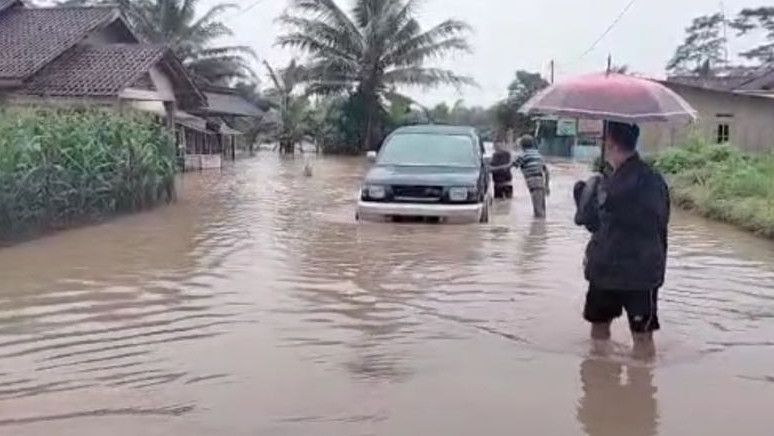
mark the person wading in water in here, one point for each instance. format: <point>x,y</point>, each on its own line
<point>501,164</point>
<point>627,214</point>
<point>534,169</point>
<point>536,174</point>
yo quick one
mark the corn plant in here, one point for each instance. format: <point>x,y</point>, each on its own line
<point>63,167</point>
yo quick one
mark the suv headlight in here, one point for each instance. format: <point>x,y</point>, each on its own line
<point>375,192</point>
<point>459,193</point>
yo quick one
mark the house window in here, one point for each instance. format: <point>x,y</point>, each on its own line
<point>724,133</point>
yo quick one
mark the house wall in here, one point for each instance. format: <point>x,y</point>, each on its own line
<point>11,99</point>
<point>163,84</point>
<point>164,89</point>
<point>750,120</point>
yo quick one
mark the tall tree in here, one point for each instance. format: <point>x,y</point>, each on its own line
<point>293,107</point>
<point>440,113</point>
<point>760,19</point>
<point>506,113</point>
<point>368,52</point>
<point>192,36</point>
<point>253,127</point>
<point>525,85</point>
<point>619,69</point>
<point>703,48</point>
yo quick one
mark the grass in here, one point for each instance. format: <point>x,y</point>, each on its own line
<point>721,182</point>
<point>60,168</point>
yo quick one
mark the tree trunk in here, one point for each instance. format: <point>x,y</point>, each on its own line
<point>286,146</point>
<point>367,140</point>
<point>366,98</point>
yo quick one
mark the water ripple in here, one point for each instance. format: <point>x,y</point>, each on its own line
<point>258,269</point>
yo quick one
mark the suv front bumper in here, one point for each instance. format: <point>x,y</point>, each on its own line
<point>458,213</point>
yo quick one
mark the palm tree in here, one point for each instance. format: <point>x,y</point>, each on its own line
<point>293,108</point>
<point>369,52</point>
<point>177,24</point>
<point>619,69</point>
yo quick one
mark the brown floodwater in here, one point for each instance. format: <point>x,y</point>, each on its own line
<point>257,306</point>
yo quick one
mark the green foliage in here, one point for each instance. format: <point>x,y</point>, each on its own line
<point>190,33</point>
<point>757,19</point>
<point>369,51</point>
<point>506,113</point>
<point>723,183</point>
<point>331,129</point>
<point>703,48</point>
<point>61,167</point>
<point>293,107</point>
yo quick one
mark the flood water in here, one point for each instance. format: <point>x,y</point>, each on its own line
<point>257,306</point>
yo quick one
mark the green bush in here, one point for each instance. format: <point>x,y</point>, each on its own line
<point>722,182</point>
<point>63,167</point>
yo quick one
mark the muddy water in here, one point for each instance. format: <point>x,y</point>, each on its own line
<point>257,306</point>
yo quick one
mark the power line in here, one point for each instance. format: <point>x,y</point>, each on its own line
<point>607,31</point>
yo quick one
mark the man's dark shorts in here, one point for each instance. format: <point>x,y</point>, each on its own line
<point>605,305</point>
<point>503,191</point>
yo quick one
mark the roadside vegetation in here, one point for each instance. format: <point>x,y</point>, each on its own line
<point>368,52</point>
<point>60,168</point>
<point>721,182</point>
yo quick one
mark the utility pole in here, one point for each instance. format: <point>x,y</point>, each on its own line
<point>725,31</point>
<point>552,71</point>
<point>609,63</point>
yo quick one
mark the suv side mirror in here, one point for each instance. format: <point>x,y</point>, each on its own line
<point>371,156</point>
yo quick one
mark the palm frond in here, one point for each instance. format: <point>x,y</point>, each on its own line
<point>450,29</point>
<point>425,77</point>
<point>232,50</point>
<point>435,50</point>
<point>323,33</point>
<point>327,11</point>
<point>317,48</point>
<point>275,78</point>
<point>212,14</point>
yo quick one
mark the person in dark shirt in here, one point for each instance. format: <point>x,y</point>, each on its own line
<point>502,176</point>
<point>627,214</point>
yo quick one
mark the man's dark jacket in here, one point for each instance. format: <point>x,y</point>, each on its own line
<point>504,176</point>
<point>628,214</point>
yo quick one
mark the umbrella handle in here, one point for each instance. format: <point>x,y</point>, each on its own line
<point>602,148</point>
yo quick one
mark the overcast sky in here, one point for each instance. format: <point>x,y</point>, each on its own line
<point>522,34</point>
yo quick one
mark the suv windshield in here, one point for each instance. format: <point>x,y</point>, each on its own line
<point>417,149</point>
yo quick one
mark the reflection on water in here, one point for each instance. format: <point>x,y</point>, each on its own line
<point>256,304</point>
<point>617,399</point>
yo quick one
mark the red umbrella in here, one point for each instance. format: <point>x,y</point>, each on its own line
<point>612,97</point>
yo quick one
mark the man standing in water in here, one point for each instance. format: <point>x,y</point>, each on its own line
<point>627,214</point>
<point>536,174</point>
<point>501,172</point>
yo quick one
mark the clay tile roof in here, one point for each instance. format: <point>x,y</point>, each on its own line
<point>5,4</point>
<point>226,103</point>
<point>32,37</point>
<point>95,70</point>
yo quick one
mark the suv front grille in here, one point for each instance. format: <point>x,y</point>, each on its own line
<point>417,194</point>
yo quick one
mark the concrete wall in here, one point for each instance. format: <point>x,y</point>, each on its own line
<point>750,120</point>
<point>11,99</point>
<point>163,83</point>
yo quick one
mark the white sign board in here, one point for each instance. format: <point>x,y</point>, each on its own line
<point>566,127</point>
